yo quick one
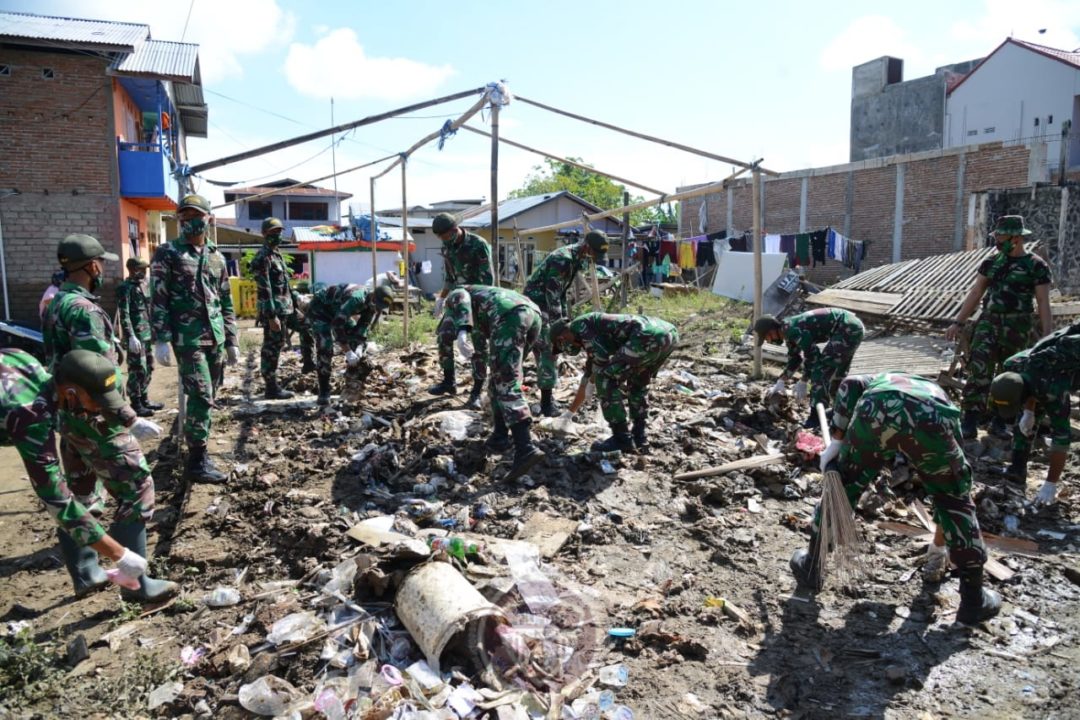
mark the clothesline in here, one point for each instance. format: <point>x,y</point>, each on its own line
<point>808,249</point>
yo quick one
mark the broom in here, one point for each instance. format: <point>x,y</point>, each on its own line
<point>838,536</point>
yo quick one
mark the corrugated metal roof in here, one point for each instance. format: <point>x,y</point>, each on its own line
<point>23,26</point>
<point>481,217</point>
<point>311,191</point>
<point>164,59</point>
<point>1072,58</point>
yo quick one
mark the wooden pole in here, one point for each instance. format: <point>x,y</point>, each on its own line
<point>520,255</point>
<point>374,257</point>
<point>495,194</point>
<point>756,200</point>
<point>625,242</point>
<point>404,254</point>
<point>402,157</point>
<point>593,283</point>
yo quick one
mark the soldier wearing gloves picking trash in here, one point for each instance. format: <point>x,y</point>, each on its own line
<point>511,323</point>
<point>342,315</point>
<point>624,352</point>
<point>1036,382</point>
<point>547,287</point>
<point>839,329</point>
<point>466,261</point>
<point>275,305</point>
<point>447,333</point>
<point>133,306</point>
<point>874,418</point>
<point>192,310</point>
<point>98,425</point>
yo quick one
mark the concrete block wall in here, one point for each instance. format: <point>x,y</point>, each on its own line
<point>1053,215</point>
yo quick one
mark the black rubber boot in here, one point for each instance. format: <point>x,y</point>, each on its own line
<point>641,442</point>
<point>140,409</point>
<point>805,568</point>
<point>133,537</point>
<point>969,426</point>
<point>526,455</point>
<point>151,405</point>
<point>499,439</point>
<point>1017,470</point>
<point>448,386</point>
<point>274,391</point>
<point>976,602</point>
<point>324,390</point>
<point>473,403</point>
<point>811,420</point>
<point>308,366</point>
<point>548,408</point>
<point>999,428</point>
<point>620,440</point>
<point>201,469</point>
<point>82,564</point>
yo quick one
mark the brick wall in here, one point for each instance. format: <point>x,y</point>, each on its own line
<point>57,149</point>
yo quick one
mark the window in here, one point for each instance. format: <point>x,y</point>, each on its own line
<point>5,71</point>
<point>47,74</point>
<point>972,132</point>
<point>133,235</point>
<point>309,211</point>
<point>1050,120</point>
<point>987,131</point>
<point>260,209</point>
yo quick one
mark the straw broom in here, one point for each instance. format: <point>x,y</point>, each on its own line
<point>838,536</point>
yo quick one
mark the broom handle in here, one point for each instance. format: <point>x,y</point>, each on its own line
<point>824,422</point>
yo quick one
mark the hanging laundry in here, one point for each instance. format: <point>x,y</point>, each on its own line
<point>718,235</point>
<point>818,243</point>
<point>706,254</point>
<point>787,245</point>
<point>687,256</point>
<point>837,245</point>
<point>740,243</point>
<point>772,244</point>
<point>802,249</point>
<point>668,249</point>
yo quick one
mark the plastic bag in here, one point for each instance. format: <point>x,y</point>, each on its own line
<point>269,695</point>
<point>296,627</point>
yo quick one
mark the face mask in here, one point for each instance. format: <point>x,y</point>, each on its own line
<point>195,226</point>
<point>273,240</point>
<point>96,283</point>
<point>1005,245</point>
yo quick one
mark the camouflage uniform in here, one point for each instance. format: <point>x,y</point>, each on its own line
<point>896,412</point>
<point>1049,370</point>
<point>626,351</point>
<point>297,323</point>
<point>512,323</point>
<point>547,287</point>
<point>465,262</point>
<point>1006,324</point>
<point>275,300</point>
<point>192,308</point>
<point>133,302</point>
<point>339,314</point>
<point>447,332</point>
<point>840,330</point>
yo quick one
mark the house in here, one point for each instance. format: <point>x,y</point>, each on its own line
<point>1021,92</point>
<point>96,117</point>
<point>303,206</point>
<point>340,255</point>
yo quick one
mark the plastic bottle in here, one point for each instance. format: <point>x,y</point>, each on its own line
<point>453,546</point>
<point>614,675</point>
<point>619,712</point>
<point>223,597</point>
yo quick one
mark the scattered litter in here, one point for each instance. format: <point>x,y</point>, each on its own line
<point>222,597</point>
<point>164,694</point>
<point>269,695</point>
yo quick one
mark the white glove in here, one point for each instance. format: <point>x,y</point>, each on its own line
<point>134,345</point>
<point>830,453</point>
<point>779,387</point>
<point>1027,423</point>
<point>438,306</point>
<point>143,428</point>
<point>131,564</point>
<point>1047,494</point>
<point>464,345</point>
<point>232,354</point>
<point>800,391</point>
<point>360,350</point>
<point>163,354</point>
<point>352,359</point>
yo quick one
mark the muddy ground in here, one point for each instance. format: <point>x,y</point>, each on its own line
<point>645,551</point>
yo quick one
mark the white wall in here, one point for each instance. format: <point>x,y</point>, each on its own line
<point>351,266</point>
<point>1012,88</point>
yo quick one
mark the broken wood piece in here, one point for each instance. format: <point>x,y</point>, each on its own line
<point>744,464</point>
<point>733,612</point>
<point>924,515</point>
<point>548,532</point>
<point>1016,546</point>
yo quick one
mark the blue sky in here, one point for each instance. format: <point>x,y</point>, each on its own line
<point>746,80</point>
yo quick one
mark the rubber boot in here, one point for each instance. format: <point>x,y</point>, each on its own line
<point>82,564</point>
<point>811,420</point>
<point>620,440</point>
<point>1017,471</point>
<point>151,405</point>
<point>448,386</point>
<point>526,455</point>
<point>969,426</point>
<point>324,390</point>
<point>548,408</point>
<point>976,602</point>
<point>308,366</point>
<point>141,410</point>
<point>200,468</point>
<point>151,590</point>
<point>473,403</point>
<point>805,568</point>
<point>499,439</point>
<point>638,434</point>
<point>998,428</point>
<point>274,391</point>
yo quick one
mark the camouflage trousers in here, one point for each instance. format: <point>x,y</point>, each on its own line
<point>323,334</point>
<point>547,373</point>
<point>996,337</point>
<point>446,334</point>
<point>1053,404</point>
<point>630,372</point>
<point>885,423</point>
<point>140,367</point>
<point>512,336</point>
<point>201,371</point>
<point>829,367</point>
<point>275,342</point>
<point>99,452</point>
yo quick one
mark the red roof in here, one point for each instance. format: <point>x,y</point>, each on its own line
<point>1070,58</point>
<point>309,190</point>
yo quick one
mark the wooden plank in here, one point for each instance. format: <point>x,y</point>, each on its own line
<point>1016,546</point>
<point>744,464</point>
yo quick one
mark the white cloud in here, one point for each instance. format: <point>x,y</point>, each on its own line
<point>867,38</point>
<point>337,65</point>
<point>1003,18</point>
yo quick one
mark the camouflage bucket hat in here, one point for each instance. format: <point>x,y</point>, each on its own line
<point>93,373</point>
<point>1010,225</point>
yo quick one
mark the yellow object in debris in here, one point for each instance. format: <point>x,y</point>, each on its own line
<point>714,602</point>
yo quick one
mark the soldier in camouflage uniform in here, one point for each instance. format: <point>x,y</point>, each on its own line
<point>626,352</point>
<point>192,309</point>
<point>511,323</point>
<point>839,329</point>
<point>95,420</point>
<point>874,418</point>
<point>343,315</point>
<point>466,261</point>
<point>1036,382</point>
<point>547,287</point>
<point>1010,279</point>
<point>275,304</point>
<point>133,305</point>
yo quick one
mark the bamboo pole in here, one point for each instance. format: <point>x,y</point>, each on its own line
<point>643,136</point>
<point>756,200</point>
<point>495,194</point>
<point>330,131</point>
<point>278,191</point>
<point>625,241</point>
<point>593,283</point>
<point>374,257</point>
<point>520,255</point>
<point>404,254</point>
<point>402,157</point>
<point>505,141</point>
